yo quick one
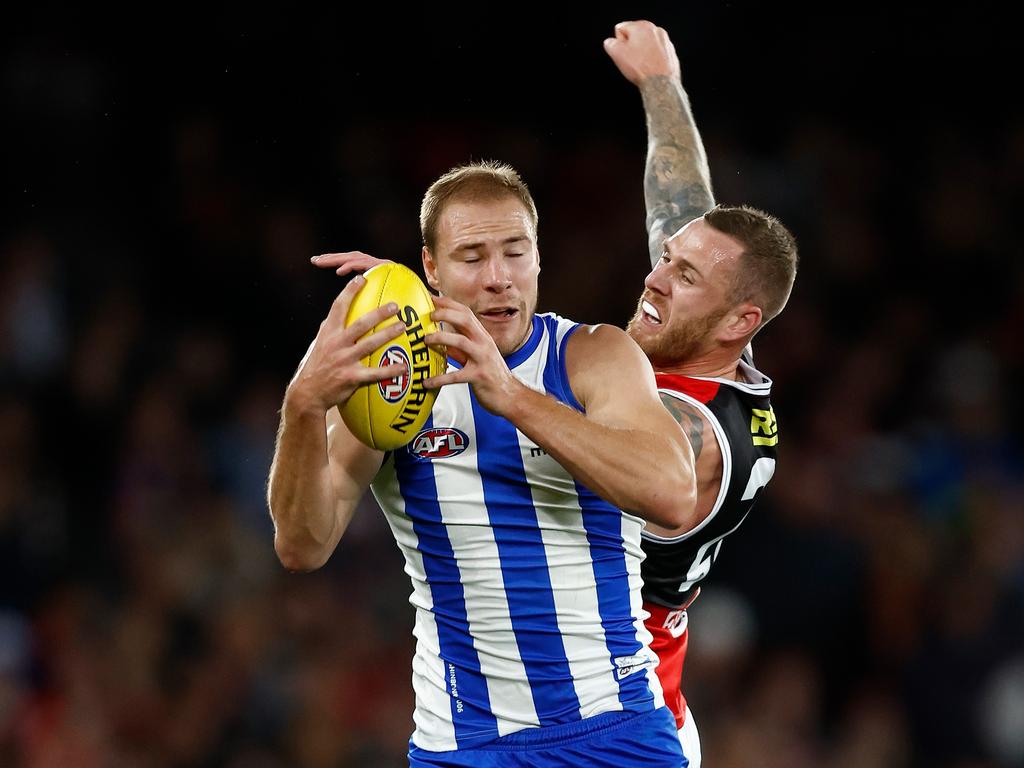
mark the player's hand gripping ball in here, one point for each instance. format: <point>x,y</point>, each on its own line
<point>387,415</point>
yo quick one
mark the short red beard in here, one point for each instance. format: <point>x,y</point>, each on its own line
<point>674,343</point>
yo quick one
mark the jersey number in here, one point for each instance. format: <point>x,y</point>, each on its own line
<point>760,474</point>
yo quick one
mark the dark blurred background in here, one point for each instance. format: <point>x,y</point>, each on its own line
<point>166,177</point>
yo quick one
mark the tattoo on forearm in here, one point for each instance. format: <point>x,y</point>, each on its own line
<point>692,423</point>
<point>677,180</point>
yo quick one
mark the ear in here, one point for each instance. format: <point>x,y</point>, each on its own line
<point>741,322</point>
<point>430,269</point>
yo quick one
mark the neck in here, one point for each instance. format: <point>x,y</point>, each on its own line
<point>721,365</point>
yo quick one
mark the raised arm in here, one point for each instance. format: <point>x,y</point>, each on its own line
<point>320,471</point>
<point>677,180</point>
<point>626,447</point>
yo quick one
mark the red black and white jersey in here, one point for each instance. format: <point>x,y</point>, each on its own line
<point>741,416</point>
<point>743,422</point>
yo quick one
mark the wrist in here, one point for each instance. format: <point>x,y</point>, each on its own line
<point>298,403</point>
<point>658,85</point>
<point>519,401</point>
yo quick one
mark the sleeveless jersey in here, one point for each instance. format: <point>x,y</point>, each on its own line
<point>526,584</point>
<point>744,425</point>
<point>743,422</point>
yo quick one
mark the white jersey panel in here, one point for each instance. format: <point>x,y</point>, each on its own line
<point>432,717</point>
<point>526,584</point>
<point>487,609</point>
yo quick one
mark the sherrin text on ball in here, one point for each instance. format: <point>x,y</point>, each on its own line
<point>388,414</point>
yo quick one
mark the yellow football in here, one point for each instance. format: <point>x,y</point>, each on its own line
<point>387,415</point>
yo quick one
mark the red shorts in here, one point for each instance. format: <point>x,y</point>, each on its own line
<point>668,626</point>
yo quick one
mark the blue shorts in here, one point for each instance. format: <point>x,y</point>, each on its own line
<point>609,740</point>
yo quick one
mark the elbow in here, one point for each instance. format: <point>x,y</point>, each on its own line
<point>674,504</point>
<point>297,559</point>
<point>676,507</point>
<point>297,547</point>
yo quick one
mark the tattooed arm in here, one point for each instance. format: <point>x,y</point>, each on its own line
<point>707,458</point>
<point>689,419</point>
<point>677,180</point>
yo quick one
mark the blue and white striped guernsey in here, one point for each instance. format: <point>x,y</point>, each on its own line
<point>526,584</point>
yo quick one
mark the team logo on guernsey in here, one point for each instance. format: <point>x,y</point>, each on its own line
<point>394,389</point>
<point>764,429</point>
<point>627,665</point>
<point>438,443</point>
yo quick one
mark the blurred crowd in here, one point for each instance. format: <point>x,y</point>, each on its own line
<point>870,612</point>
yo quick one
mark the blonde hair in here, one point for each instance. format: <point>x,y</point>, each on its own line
<point>485,180</point>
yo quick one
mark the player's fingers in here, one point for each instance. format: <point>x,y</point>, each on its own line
<point>336,259</point>
<point>449,316</point>
<point>349,261</point>
<point>361,262</point>
<point>622,29</point>
<point>455,314</point>
<point>368,375</point>
<point>350,266</point>
<point>378,338</point>
<point>446,302</point>
<point>328,258</point>
<point>455,377</point>
<point>449,340</point>
<point>459,352</point>
<point>365,323</point>
<point>666,42</point>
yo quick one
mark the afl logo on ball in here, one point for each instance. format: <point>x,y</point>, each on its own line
<point>438,443</point>
<point>394,389</point>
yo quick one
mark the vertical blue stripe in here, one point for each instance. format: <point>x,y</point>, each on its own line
<point>470,701</point>
<point>603,523</point>
<point>556,380</point>
<point>524,568</point>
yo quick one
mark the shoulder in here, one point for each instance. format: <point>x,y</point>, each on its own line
<point>604,350</point>
<point>603,359</point>
<point>602,343</point>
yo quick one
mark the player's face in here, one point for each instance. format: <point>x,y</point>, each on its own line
<point>486,258</point>
<point>686,295</point>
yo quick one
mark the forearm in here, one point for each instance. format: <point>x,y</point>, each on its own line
<point>300,492</point>
<point>677,179</point>
<point>639,471</point>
